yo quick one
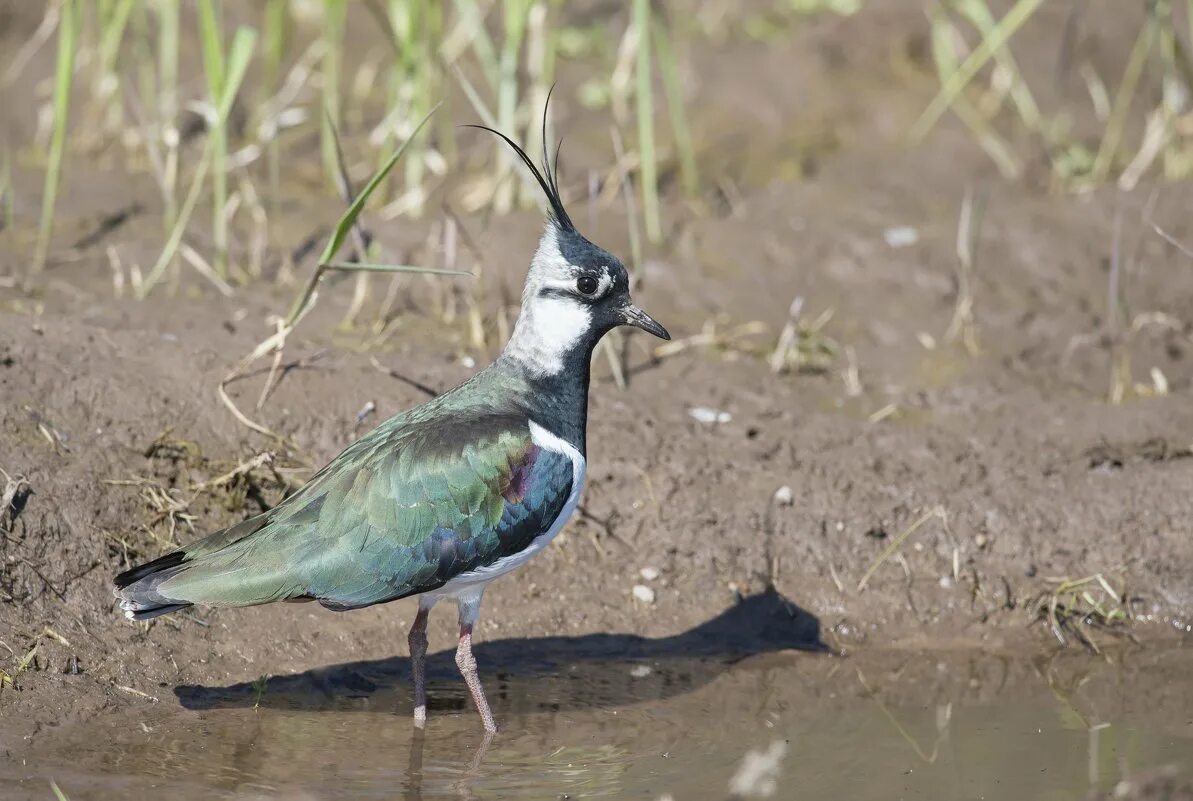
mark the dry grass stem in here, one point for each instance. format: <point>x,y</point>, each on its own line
<point>962,326</point>
<point>897,541</point>
<point>1080,607</point>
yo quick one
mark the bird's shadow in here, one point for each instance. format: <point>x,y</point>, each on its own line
<point>530,674</point>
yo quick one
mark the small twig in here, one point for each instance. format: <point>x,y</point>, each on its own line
<point>1167,237</point>
<point>267,387</point>
<point>969,227</point>
<point>135,691</point>
<point>1119,366</point>
<point>788,337</point>
<point>711,338</point>
<point>1170,239</point>
<point>260,460</point>
<point>936,511</point>
<point>426,389</point>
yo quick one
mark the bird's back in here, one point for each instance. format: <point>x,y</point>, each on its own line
<point>440,491</point>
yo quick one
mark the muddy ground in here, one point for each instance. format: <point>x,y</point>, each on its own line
<point>107,402</point>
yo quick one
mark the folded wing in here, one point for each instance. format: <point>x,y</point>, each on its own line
<point>401,511</point>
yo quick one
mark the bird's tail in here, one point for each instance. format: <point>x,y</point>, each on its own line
<point>213,571</point>
<point>138,592</point>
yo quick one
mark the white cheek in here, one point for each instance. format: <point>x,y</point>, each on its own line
<point>559,324</point>
<point>547,330</point>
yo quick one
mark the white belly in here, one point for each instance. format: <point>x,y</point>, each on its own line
<point>468,583</point>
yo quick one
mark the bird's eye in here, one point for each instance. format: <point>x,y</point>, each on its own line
<point>586,285</point>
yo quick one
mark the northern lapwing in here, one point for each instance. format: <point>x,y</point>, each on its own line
<point>445,497</point>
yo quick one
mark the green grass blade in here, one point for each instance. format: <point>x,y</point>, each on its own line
<point>478,104</point>
<point>211,41</point>
<point>184,216</point>
<point>978,13</point>
<point>946,66</point>
<point>472,30</point>
<point>1116,125</point>
<point>274,50</point>
<point>689,176</point>
<point>366,267</point>
<point>6,188</point>
<point>1003,31</point>
<point>68,31</point>
<point>273,34</point>
<point>213,53</point>
<point>232,70</point>
<point>344,228</point>
<point>514,13</point>
<point>240,55</point>
<point>645,108</point>
<point>113,34</point>
<point>349,219</point>
<point>168,24</point>
<point>334,12</point>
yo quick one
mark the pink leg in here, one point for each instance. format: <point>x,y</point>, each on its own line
<point>469,611</point>
<point>418,663</point>
<point>467,664</point>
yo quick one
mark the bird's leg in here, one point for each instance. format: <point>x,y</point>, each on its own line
<point>467,664</point>
<point>418,663</point>
<point>469,611</point>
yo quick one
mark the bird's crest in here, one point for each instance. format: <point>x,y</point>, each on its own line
<point>548,176</point>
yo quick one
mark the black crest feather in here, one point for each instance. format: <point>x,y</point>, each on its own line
<point>548,175</point>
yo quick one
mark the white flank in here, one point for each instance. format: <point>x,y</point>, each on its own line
<point>465,583</point>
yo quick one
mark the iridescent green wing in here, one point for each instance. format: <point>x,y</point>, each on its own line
<point>401,511</point>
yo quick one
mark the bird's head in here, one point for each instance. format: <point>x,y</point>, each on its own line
<point>576,291</point>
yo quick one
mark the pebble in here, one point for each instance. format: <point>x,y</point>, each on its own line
<point>703,414</point>
<point>784,496</point>
<point>643,593</point>
<point>649,573</point>
<point>901,236</point>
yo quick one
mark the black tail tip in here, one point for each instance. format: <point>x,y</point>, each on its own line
<point>151,612</point>
<point>135,574</point>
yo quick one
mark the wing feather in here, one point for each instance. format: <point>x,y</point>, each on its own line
<point>401,511</point>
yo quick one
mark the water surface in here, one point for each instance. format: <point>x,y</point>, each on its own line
<point>870,726</point>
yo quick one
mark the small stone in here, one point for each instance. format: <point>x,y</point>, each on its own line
<point>703,414</point>
<point>784,496</point>
<point>981,541</point>
<point>901,236</point>
<point>649,573</point>
<point>643,593</point>
<point>946,582</point>
<point>641,671</point>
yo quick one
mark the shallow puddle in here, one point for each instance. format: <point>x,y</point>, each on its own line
<point>656,723</point>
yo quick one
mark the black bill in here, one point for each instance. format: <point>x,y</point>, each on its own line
<point>640,319</point>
